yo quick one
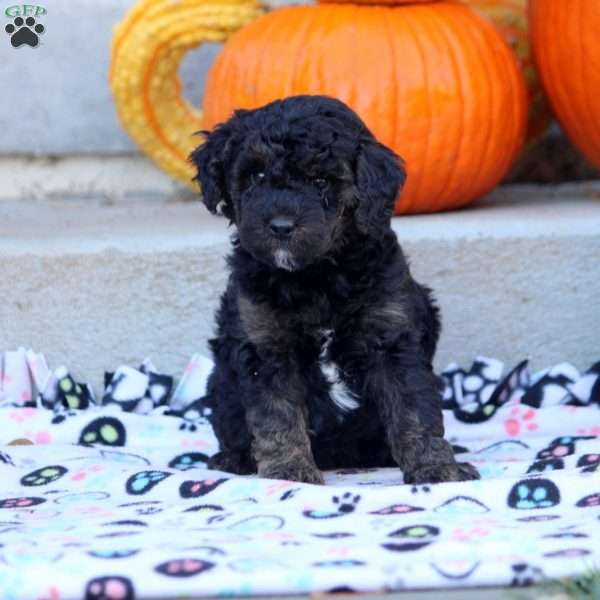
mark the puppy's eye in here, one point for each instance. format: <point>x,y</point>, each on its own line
<point>257,177</point>
<point>321,182</point>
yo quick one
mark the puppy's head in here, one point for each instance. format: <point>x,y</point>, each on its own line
<point>299,178</point>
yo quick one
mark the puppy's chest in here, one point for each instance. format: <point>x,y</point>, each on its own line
<point>335,377</point>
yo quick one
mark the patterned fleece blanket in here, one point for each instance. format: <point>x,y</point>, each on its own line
<point>113,500</point>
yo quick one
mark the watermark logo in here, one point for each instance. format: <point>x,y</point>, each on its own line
<point>25,28</point>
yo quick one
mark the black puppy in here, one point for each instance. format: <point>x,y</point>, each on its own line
<point>325,342</point>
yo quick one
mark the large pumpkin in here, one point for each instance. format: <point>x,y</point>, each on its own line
<point>565,35</point>
<point>510,18</point>
<point>434,81</point>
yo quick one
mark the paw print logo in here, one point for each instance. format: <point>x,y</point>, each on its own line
<point>24,31</point>
<point>343,505</point>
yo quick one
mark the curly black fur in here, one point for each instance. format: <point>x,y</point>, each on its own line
<point>320,302</point>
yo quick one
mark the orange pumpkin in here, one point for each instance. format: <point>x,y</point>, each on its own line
<point>565,35</point>
<point>510,18</point>
<point>432,80</point>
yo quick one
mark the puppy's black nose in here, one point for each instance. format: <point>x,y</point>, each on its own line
<point>281,225</point>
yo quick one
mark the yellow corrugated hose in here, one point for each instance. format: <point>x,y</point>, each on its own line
<point>148,47</point>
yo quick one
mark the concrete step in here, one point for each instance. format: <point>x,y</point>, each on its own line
<point>93,282</point>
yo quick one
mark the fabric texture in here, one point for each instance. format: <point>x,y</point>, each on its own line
<point>113,500</point>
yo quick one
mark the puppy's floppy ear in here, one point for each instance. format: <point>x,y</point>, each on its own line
<point>379,176</point>
<point>210,160</point>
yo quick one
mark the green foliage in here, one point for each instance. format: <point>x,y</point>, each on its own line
<point>582,587</point>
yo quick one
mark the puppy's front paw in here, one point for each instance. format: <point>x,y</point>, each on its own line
<point>231,462</point>
<point>439,473</point>
<point>303,472</point>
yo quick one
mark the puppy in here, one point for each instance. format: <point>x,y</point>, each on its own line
<point>325,341</point>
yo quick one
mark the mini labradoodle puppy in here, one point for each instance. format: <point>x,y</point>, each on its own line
<point>325,341</point>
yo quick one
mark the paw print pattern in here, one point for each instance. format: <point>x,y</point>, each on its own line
<point>591,501</point>
<point>522,418</point>
<point>396,509</point>
<point>462,505</point>
<point>6,459</point>
<point>189,460</point>
<point>137,390</point>
<point>476,395</point>
<point>533,494</point>
<point>288,494</point>
<point>524,574</point>
<point>144,507</point>
<point>22,502</point>
<point>113,554</point>
<point>568,553</point>
<point>109,588</point>
<point>537,518</point>
<point>186,567</point>
<point>43,476</point>
<point>144,481</point>
<point>24,32</point>
<point>589,462</point>
<point>339,564</point>
<point>562,446</point>
<point>343,506</point>
<point>104,430</point>
<point>72,395</point>
<point>347,503</point>
<point>565,535</point>
<point>194,489</point>
<point>551,388</point>
<point>193,416</point>
<point>549,464</point>
<point>413,537</point>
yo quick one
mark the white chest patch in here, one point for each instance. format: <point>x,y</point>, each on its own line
<point>341,395</point>
<point>284,260</point>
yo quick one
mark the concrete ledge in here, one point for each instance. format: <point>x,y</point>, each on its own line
<point>107,179</point>
<point>93,284</point>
